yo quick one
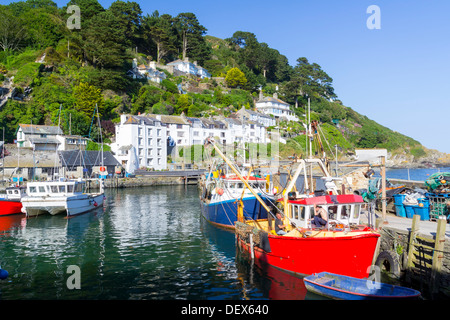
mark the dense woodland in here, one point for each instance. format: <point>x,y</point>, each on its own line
<point>88,67</point>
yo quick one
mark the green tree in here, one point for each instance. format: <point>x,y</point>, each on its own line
<point>105,42</point>
<point>12,30</point>
<point>191,34</point>
<point>235,78</point>
<point>87,97</point>
<point>130,15</point>
<point>159,30</point>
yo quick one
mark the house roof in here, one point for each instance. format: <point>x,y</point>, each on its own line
<point>271,99</point>
<point>250,111</point>
<point>169,119</point>
<point>87,158</point>
<point>38,129</point>
<point>137,120</point>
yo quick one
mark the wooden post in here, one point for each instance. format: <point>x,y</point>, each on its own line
<point>412,236</point>
<point>383,188</point>
<point>438,254</point>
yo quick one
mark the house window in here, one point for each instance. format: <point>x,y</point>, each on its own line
<point>179,126</point>
<point>158,132</point>
<point>150,131</point>
<point>158,143</point>
<point>180,134</point>
<point>141,151</point>
<point>196,133</point>
<point>140,141</point>
<point>140,131</point>
<point>159,152</point>
<point>150,152</point>
<point>150,141</point>
<point>149,161</point>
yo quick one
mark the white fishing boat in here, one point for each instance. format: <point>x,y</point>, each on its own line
<point>55,197</point>
<point>63,195</point>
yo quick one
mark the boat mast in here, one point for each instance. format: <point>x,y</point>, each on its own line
<point>101,147</point>
<point>238,174</point>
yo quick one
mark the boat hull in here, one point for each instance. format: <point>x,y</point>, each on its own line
<point>340,287</point>
<point>224,213</point>
<point>70,205</point>
<point>349,254</point>
<point>8,207</point>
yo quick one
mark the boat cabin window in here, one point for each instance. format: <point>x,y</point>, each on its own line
<point>356,212</point>
<point>54,189</point>
<point>300,215</point>
<point>69,188</point>
<point>79,187</point>
<point>32,190</point>
<point>62,189</point>
<point>345,211</point>
<point>41,189</point>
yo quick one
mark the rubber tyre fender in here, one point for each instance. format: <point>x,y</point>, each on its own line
<point>388,260</point>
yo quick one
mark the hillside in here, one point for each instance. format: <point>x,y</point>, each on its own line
<point>45,65</point>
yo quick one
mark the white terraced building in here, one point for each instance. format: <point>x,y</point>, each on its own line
<point>155,136</point>
<point>148,136</point>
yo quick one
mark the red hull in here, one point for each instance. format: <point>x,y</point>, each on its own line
<point>349,255</point>
<point>8,207</point>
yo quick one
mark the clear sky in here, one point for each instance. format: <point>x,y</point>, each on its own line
<point>398,75</point>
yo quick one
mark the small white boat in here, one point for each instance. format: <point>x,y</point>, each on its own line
<point>55,197</point>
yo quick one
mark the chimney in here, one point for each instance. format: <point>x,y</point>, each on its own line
<point>275,95</point>
<point>260,94</point>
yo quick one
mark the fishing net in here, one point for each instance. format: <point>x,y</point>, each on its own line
<point>438,182</point>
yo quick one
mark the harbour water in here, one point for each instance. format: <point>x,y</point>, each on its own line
<point>146,243</point>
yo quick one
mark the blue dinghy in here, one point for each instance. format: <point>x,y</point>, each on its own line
<point>341,287</point>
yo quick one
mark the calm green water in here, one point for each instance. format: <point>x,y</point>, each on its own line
<point>146,243</point>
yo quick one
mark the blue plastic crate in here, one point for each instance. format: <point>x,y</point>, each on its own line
<point>400,210</point>
<point>423,212</point>
<point>409,211</point>
<point>398,199</point>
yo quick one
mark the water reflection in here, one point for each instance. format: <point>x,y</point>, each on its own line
<point>146,243</point>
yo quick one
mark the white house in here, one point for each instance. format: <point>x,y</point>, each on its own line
<point>188,67</point>
<point>245,131</point>
<point>146,72</point>
<point>197,130</point>
<point>276,107</point>
<point>263,119</point>
<point>147,135</point>
<point>38,137</point>
<point>178,128</point>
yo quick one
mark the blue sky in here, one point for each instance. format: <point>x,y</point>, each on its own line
<point>398,75</point>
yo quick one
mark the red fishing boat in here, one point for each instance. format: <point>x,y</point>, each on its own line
<point>11,202</point>
<point>341,246</point>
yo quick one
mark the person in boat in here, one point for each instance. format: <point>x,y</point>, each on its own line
<point>279,226</point>
<point>320,217</point>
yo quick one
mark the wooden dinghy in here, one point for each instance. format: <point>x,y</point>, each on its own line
<point>336,286</point>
